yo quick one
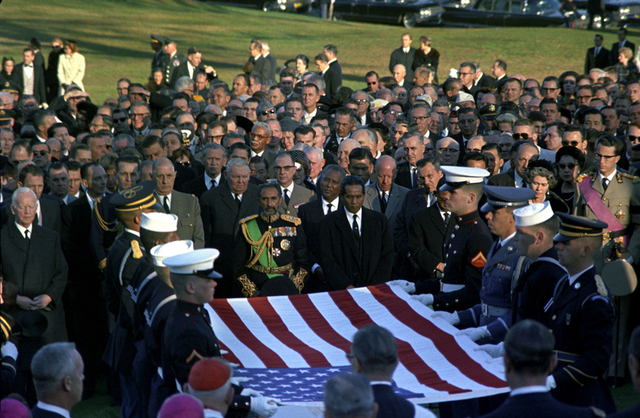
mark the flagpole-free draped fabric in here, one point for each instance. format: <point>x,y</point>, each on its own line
<point>288,346</point>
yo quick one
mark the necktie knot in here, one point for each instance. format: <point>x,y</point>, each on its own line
<point>605,183</point>
<point>329,206</point>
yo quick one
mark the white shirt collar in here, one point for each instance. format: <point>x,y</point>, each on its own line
<point>380,382</point>
<point>334,204</point>
<point>507,239</point>
<point>131,231</point>
<point>259,154</point>
<point>406,50</point>
<point>333,60</point>
<point>350,217</point>
<point>53,408</point>
<point>290,189</point>
<point>90,200</point>
<point>22,229</point>
<point>168,198</point>
<point>518,179</point>
<point>207,179</point>
<point>529,389</point>
<point>609,177</point>
<point>573,278</point>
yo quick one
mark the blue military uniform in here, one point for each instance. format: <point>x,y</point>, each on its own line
<point>494,311</point>
<point>156,62</point>
<point>170,63</point>
<point>582,315</point>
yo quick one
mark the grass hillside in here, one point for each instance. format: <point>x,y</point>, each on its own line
<point>113,35</point>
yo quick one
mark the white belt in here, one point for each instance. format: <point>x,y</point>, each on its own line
<point>448,288</point>
<point>493,310</point>
<point>160,372</point>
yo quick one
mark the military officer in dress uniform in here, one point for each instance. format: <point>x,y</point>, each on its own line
<point>157,44</point>
<point>123,260</point>
<point>581,317</point>
<point>467,247</point>
<point>171,59</point>
<point>188,336</point>
<point>490,320</point>
<point>271,249</point>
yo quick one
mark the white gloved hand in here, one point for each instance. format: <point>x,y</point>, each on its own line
<point>475,333</point>
<point>250,392</point>
<point>9,349</point>
<point>494,350</point>
<point>426,299</point>
<point>223,352</point>
<point>408,287</point>
<point>551,382</point>
<point>451,318</point>
<point>238,380</point>
<point>264,406</point>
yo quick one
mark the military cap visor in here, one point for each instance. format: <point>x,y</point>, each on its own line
<point>572,227</point>
<point>138,197</point>
<point>504,197</point>
<point>457,177</point>
<point>197,263</point>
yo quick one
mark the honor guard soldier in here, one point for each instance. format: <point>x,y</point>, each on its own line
<point>271,249</point>
<point>123,260</point>
<point>490,320</point>
<point>581,317</point>
<point>171,59</point>
<point>157,44</point>
<point>466,248</point>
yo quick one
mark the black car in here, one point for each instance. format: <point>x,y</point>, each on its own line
<point>506,13</point>
<point>393,12</point>
<point>300,6</point>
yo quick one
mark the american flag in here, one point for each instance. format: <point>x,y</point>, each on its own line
<point>288,346</point>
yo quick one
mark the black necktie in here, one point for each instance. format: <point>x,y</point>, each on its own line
<point>605,184</point>
<point>286,196</point>
<point>237,200</point>
<point>329,206</point>
<point>447,216</point>
<point>35,220</point>
<point>414,177</point>
<point>29,66</point>
<point>166,204</point>
<point>26,234</point>
<point>524,184</point>
<point>383,202</point>
<point>356,230</point>
<point>213,184</point>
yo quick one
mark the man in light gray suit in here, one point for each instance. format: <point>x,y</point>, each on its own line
<point>293,195</point>
<point>184,205</point>
<point>384,196</point>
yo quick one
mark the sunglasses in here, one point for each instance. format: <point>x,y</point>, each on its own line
<point>633,138</point>
<point>41,153</point>
<point>268,112</point>
<point>570,166</point>
<point>119,120</point>
<point>520,136</point>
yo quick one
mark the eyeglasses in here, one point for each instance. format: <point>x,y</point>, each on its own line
<point>120,120</point>
<point>259,136</point>
<point>284,168</point>
<point>233,108</point>
<point>518,136</point>
<point>362,101</point>
<point>448,150</point>
<point>605,157</point>
<point>268,112</point>
<point>633,138</point>
<point>41,152</point>
<point>23,207</point>
<point>395,113</point>
<point>572,143</point>
<point>184,163</point>
<point>570,166</point>
<point>139,115</point>
<point>214,137</point>
<point>417,118</point>
<point>550,88</point>
<point>373,83</point>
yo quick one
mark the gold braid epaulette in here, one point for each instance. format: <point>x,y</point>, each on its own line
<point>265,242</point>
<point>103,224</point>
<point>584,175</point>
<point>635,179</point>
<point>292,219</point>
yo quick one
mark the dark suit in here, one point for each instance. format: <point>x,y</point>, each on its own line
<point>332,80</point>
<point>390,404</point>
<point>39,87</point>
<point>189,221</point>
<point>415,200</point>
<point>503,179</point>
<point>197,186</point>
<point>299,196</point>
<point>37,266</point>
<point>273,66</point>
<point>332,143</point>
<point>486,81</point>
<point>261,68</point>
<point>43,413</point>
<point>394,202</point>
<point>632,412</point>
<point>336,68</point>
<point>220,217</point>
<point>50,206</point>
<point>535,405</point>
<point>399,57</point>
<point>403,176</point>
<point>426,238</point>
<point>345,261</point>
<point>615,50</point>
<point>601,61</point>
<point>183,70</point>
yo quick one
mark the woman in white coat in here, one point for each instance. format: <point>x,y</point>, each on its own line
<point>71,67</point>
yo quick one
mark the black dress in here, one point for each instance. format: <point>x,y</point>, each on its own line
<point>431,59</point>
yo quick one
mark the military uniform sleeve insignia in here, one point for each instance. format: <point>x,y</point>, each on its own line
<point>194,354</point>
<point>135,247</point>
<point>602,289</point>
<point>479,260</point>
<point>292,219</point>
<point>248,287</point>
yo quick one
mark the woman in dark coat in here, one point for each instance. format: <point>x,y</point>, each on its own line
<point>426,56</point>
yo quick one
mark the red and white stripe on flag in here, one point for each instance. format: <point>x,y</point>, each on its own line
<point>314,331</point>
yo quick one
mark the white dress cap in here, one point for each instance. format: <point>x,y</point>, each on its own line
<point>160,252</point>
<point>193,262</point>
<point>463,175</point>
<point>159,222</point>
<point>533,214</point>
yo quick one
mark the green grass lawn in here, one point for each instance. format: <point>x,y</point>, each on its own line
<point>113,35</point>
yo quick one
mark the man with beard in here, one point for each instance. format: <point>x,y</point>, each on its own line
<point>271,250</point>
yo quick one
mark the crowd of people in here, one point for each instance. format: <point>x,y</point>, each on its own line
<point>506,203</point>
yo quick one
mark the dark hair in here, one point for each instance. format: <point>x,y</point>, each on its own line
<point>529,347</point>
<point>32,169</point>
<point>361,154</point>
<point>304,59</point>
<point>351,181</point>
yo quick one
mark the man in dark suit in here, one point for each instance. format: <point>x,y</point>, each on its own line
<point>185,206</point>
<point>56,397</point>
<point>84,302</point>
<point>404,56</point>
<point>345,120</point>
<point>529,357</point>
<point>273,65</point>
<point>222,208</point>
<point>374,354</point>
<point>414,150</point>
<point>311,214</point>
<point>214,159</point>
<point>623,42</point>
<point>597,56</point>
<point>356,243</point>
<point>49,211</point>
<point>383,196</point>
<point>331,79</point>
<point>31,77</point>
<point>331,51</point>
<point>192,67</point>
<point>262,67</point>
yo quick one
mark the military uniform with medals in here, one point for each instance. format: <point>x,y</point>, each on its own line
<point>271,255</point>
<point>170,63</point>
<point>582,315</point>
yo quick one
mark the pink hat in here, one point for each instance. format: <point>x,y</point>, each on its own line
<point>181,406</point>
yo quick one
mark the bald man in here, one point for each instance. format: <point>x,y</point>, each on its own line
<point>344,150</point>
<point>383,195</point>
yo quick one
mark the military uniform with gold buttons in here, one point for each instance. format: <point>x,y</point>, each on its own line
<point>271,255</point>
<point>171,62</point>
